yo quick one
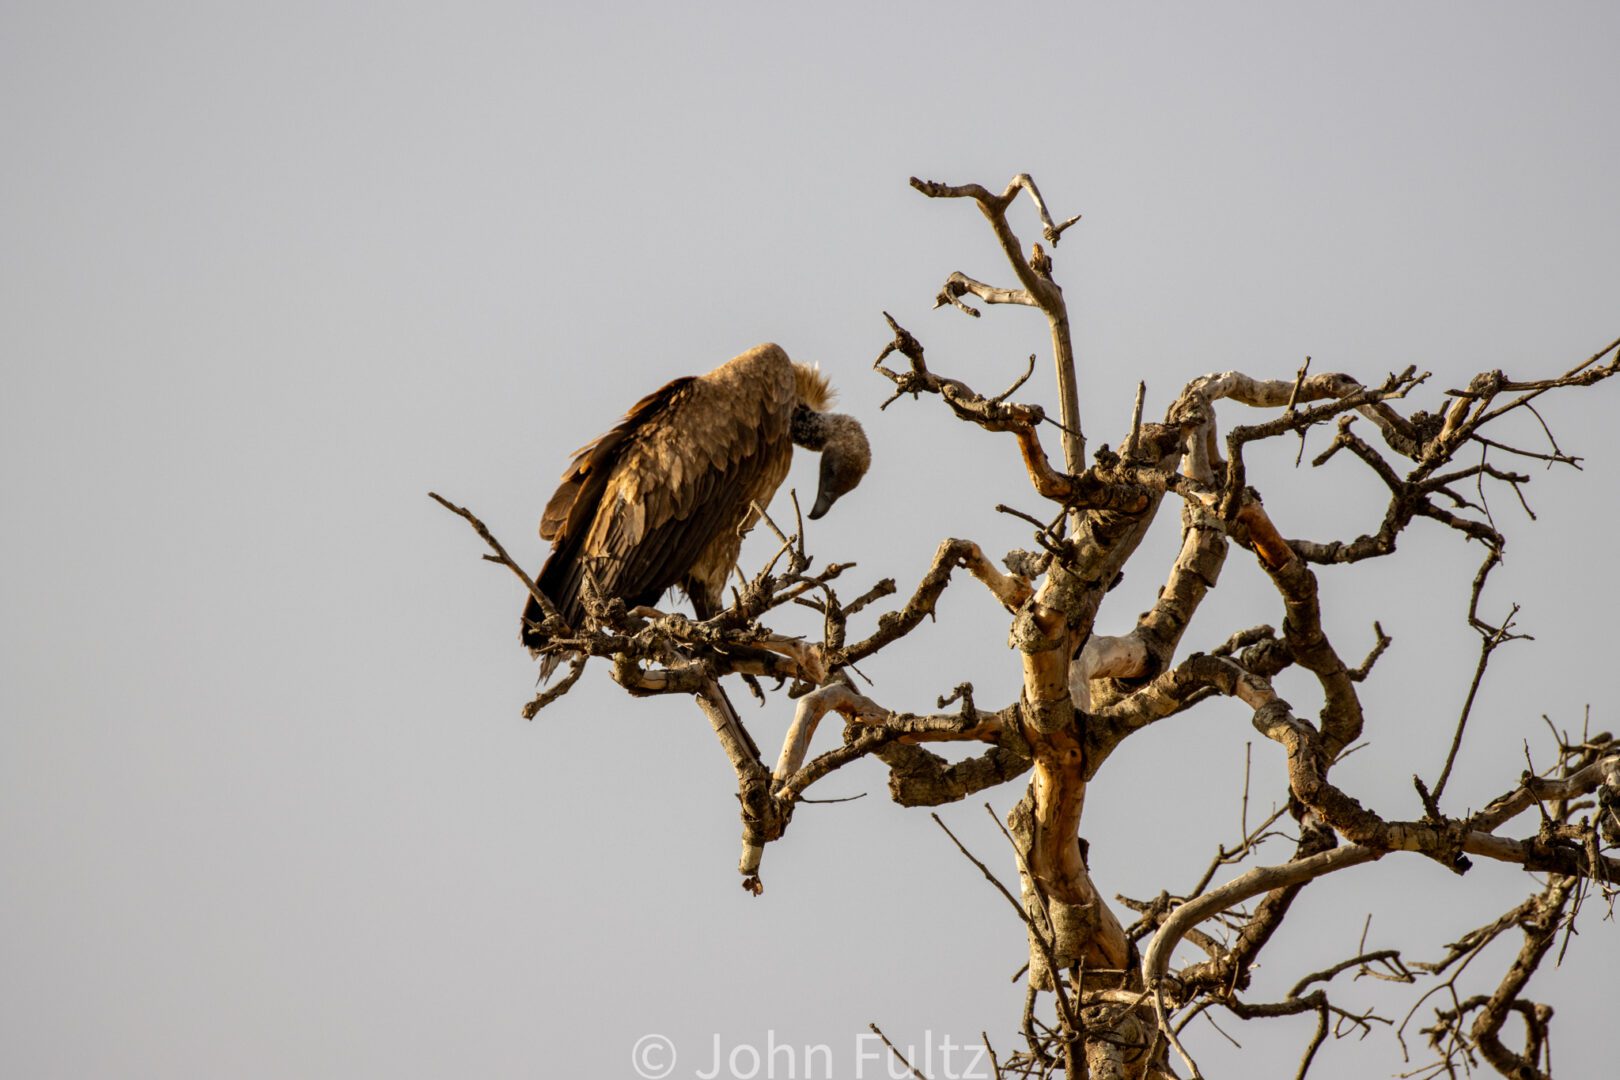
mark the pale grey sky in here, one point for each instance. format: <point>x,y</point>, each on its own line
<point>268,273</point>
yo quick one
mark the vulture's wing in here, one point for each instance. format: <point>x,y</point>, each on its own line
<point>573,504</point>
<point>639,505</point>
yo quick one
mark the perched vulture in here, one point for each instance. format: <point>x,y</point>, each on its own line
<point>665,497</point>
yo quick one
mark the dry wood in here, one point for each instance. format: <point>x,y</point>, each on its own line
<point>1087,684</point>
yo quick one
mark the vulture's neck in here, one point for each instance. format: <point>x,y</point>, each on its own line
<point>811,429</point>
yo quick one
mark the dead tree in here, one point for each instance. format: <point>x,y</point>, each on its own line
<point>1118,1001</point>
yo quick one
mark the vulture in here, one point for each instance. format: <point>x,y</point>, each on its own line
<point>665,498</point>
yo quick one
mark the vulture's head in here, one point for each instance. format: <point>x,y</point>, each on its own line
<point>845,453</point>
<point>845,456</point>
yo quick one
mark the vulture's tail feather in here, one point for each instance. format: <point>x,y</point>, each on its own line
<point>559,579</point>
<point>532,617</point>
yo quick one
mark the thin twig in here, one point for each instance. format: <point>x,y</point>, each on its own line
<point>1488,644</point>
<point>898,1055</point>
<point>500,552</point>
<point>1022,379</point>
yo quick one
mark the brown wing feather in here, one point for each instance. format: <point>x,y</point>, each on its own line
<point>642,504</point>
<point>640,573</point>
<point>571,509</point>
<point>582,482</point>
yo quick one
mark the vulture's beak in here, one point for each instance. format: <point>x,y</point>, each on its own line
<point>824,501</point>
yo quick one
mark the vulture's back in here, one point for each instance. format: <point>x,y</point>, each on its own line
<point>661,496</point>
